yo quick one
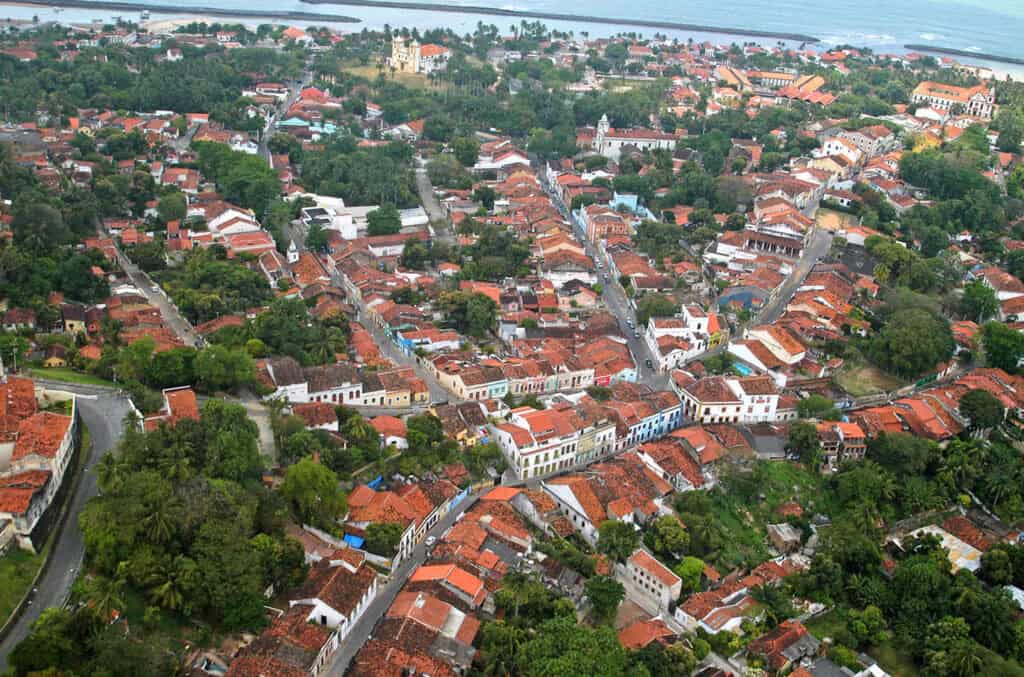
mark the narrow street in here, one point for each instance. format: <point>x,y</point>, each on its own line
<point>438,219</point>
<point>818,245</point>
<point>363,629</point>
<point>614,297</point>
<point>157,298</point>
<point>390,350</point>
<point>102,414</point>
<point>184,330</point>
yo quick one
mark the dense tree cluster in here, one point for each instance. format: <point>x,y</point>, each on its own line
<point>362,176</point>
<point>208,285</point>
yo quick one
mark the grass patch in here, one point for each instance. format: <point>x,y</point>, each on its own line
<point>370,72</point>
<point>63,407</point>
<point>17,569</point>
<point>891,657</point>
<point>894,660</point>
<point>70,376</point>
<point>826,625</point>
<point>860,380</point>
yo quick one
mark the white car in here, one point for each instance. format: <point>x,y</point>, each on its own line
<point>430,541</point>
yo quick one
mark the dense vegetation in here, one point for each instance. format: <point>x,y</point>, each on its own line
<point>183,522</point>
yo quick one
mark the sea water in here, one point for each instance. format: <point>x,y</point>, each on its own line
<point>991,26</point>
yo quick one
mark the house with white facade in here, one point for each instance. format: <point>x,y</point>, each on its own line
<point>337,591</point>
<point>722,399</point>
<point>648,582</point>
<point>610,141</point>
<point>541,442</point>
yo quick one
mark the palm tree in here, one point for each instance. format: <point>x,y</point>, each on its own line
<point>159,525</point>
<point>517,583</point>
<point>965,658</point>
<point>999,483</point>
<point>106,594</point>
<point>865,517</point>
<point>110,474</point>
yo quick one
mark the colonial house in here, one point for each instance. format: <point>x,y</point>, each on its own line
<point>337,591</point>
<point>610,142</point>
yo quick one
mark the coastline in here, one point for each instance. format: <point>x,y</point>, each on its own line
<point>158,8</point>
<point>950,51</point>
<point>555,16</point>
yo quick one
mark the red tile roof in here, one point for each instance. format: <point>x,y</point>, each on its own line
<point>640,634</point>
<point>40,435</point>
<point>643,560</point>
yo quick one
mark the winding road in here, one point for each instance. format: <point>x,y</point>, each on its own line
<point>102,411</point>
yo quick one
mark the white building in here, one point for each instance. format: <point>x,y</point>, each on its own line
<point>609,141</point>
<point>337,591</point>
<point>648,582</point>
<point>720,399</point>
<point>413,57</point>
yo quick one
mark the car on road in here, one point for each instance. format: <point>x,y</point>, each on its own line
<point>648,363</point>
<point>430,541</point>
<point>636,333</point>
<point>629,321</point>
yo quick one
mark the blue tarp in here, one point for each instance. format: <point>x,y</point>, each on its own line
<point>354,541</point>
<point>375,482</point>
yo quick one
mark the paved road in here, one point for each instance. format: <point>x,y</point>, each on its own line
<point>390,350</point>
<point>158,299</point>
<point>614,297</point>
<point>818,245</point>
<point>103,416</point>
<point>616,301</point>
<point>363,629</point>
<point>294,90</point>
<point>438,218</point>
<point>187,333</point>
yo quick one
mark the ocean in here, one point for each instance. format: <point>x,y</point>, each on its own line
<point>992,26</point>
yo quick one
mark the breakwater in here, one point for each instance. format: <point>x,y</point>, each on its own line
<point>949,51</point>
<point>558,16</point>
<point>158,8</point>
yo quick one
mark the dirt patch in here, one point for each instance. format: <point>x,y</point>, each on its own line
<point>629,613</point>
<point>832,221</point>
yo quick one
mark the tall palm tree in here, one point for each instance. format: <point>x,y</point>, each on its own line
<point>159,525</point>
<point>110,474</point>
<point>106,594</point>
<point>965,658</point>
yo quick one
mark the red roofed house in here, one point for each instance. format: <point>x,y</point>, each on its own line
<point>456,580</point>
<point>179,403</point>
<point>290,647</point>
<point>42,450</point>
<point>337,591</point>
<point>640,634</point>
<point>392,431</point>
<point>784,646</point>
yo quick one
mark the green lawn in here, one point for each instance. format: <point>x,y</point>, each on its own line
<point>826,625</point>
<point>370,72</point>
<point>17,569</point>
<point>890,657</point>
<point>894,661</point>
<point>860,380</point>
<point>70,376</point>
